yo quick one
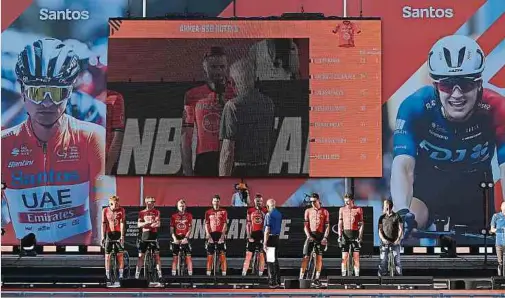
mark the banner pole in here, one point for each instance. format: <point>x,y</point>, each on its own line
<point>144,8</point>
<point>345,8</point>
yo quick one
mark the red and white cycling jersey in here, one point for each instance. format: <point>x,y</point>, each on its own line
<point>50,186</point>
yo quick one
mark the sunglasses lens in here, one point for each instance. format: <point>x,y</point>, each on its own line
<point>448,85</point>
<point>38,94</point>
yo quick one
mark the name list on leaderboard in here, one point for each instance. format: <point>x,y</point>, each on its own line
<point>345,114</point>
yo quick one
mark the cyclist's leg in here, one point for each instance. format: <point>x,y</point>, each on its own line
<point>222,257</point>
<point>384,260</point>
<point>261,265</point>
<point>175,257</point>
<point>345,256</point>
<point>396,254</point>
<point>119,255</point>
<point>157,258</point>
<point>108,250</point>
<point>189,261</point>
<point>210,257</point>
<point>250,247</point>
<point>319,260</point>
<point>355,257</point>
<point>142,247</point>
<point>307,250</point>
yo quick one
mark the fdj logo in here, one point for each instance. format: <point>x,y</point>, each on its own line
<point>479,152</point>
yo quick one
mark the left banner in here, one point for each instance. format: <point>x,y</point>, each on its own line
<point>53,117</point>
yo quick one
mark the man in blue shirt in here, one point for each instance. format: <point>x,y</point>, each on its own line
<point>498,228</point>
<point>273,221</point>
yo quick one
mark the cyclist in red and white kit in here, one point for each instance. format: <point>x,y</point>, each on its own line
<point>115,129</point>
<point>113,229</point>
<point>52,163</point>
<point>215,229</point>
<point>149,222</point>
<point>180,228</point>
<point>350,230</point>
<point>317,229</point>
<point>254,228</point>
<point>203,107</point>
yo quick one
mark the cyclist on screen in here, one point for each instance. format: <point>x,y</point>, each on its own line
<point>180,228</point>
<point>445,136</point>
<point>203,107</point>
<point>350,231</point>
<point>52,162</point>
<point>254,229</point>
<point>113,230</point>
<point>317,229</point>
<point>115,129</point>
<point>148,222</point>
<point>215,229</point>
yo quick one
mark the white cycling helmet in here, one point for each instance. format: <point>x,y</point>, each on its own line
<point>456,55</point>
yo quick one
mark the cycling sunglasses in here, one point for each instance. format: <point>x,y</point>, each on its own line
<point>57,94</point>
<point>465,84</point>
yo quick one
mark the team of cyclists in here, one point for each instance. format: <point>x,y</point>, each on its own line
<point>316,227</point>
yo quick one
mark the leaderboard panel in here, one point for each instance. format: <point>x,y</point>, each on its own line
<point>222,97</point>
<point>345,117</point>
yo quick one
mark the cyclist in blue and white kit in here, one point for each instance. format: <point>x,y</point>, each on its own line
<point>445,138</point>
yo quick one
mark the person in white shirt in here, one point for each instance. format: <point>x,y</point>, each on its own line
<point>276,59</point>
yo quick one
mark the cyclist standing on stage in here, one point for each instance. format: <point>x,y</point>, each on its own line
<point>148,222</point>
<point>317,229</point>
<point>350,230</point>
<point>215,229</point>
<point>390,234</point>
<point>113,230</point>
<point>498,228</point>
<point>254,228</point>
<point>180,228</point>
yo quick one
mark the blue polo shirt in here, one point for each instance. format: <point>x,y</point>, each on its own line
<point>273,220</point>
<point>498,222</point>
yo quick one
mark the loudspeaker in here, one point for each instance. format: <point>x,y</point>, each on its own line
<point>498,282</point>
<point>134,283</point>
<point>291,284</point>
<point>457,284</point>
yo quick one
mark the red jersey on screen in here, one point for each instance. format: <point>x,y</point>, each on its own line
<point>202,108</point>
<point>316,220</point>
<point>113,219</point>
<point>51,186</point>
<point>216,219</point>
<point>256,218</point>
<point>115,115</point>
<point>149,216</point>
<point>181,223</point>
<point>352,217</point>
<point>346,32</point>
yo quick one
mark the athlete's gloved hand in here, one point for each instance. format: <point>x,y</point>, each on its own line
<point>409,222</point>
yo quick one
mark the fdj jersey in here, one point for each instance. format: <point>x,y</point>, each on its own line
<point>256,218</point>
<point>423,132</point>
<point>316,220</point>
<point>216,220</point>
<point>149,216</point>
<point>50,186</point>
<point>181,223</point>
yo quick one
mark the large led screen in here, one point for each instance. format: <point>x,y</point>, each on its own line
<point>248,98</point>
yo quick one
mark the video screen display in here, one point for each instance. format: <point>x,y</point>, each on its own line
<point>248,98</point>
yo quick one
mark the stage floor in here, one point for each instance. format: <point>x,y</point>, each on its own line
<point>248,293</point>
<point>423,262</point>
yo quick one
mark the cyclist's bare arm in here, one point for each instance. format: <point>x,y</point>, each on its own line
<point>400,232</point>
<point>402,181</point>
<point>190,226</point>
<point>381,234</point>
<point>306,224</point>
<point>104,223</point>
<point>327,225</point>
<point>187,138</point>
<point>340,222</point>
<point>225,227</point>
<point>207,226</point>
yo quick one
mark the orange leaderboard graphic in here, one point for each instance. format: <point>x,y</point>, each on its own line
<point>314,110</point>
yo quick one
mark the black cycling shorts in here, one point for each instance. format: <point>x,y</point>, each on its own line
<point>176,248</point>
<point>350,237</point>
<point>315,245</point>
<point>258,242</point>
<point>144,242</point>
<point>210,247</point>
<point>109,245</point>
